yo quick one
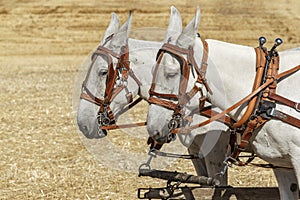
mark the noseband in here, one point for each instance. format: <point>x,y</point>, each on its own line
<point>183,96</point>
<point>116,81</point>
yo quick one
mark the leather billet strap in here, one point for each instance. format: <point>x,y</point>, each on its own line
<point>183,97</point>
<point>285,101</point>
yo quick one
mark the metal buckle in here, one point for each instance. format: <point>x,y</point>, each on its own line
<point>226,165</point>
<point>103,118</point>
<point>175,122</point>
<point>275,113</point>
<point>296,107</point>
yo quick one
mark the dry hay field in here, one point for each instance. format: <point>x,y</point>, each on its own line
<point>42,46</point>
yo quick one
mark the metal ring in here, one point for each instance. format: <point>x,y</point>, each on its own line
<point>105,120</point>
<point>173,123</point>
<point>146,165</point>
<point>296,107</point>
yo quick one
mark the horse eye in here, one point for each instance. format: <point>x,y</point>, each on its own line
<point>171,75</point>
<point>103,72</point>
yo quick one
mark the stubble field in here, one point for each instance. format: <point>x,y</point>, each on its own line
<point>42,46</point>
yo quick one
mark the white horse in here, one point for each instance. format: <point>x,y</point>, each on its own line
<point>230,76</point>
<point>142,58</point>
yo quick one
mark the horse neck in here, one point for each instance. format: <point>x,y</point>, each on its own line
<point>230,73</point>
<point>142,55</point>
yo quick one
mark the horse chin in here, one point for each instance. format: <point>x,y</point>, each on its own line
<point>95,133</point>
<point>158,141</point>
<point>154,144</point>
<point>162,140</point>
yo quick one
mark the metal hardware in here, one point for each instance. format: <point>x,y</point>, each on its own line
<point>172,155</point>
<point>296,107</point>
<point>277,114</point>
<point>175,122</point>
<point>146,165</point>
<point>278,41</point>
<point>266,109</point>
<point>227,164</point>
<point>262,41</point>
<point>103,118</point>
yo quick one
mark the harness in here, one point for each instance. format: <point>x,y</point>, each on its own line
<point>261,101</point>
<point>115,83</point>
<point>179,117</point>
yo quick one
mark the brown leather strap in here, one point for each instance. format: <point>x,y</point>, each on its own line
<point>208,112</point>
<point>87,95</point>
<point>112,127</point>
<point>286,73</point>
<point>247,134</point>
<point>131,105</point>
<point>164,96</point>
<point>284,101</point>
<point>188,96</point>
<point>287,118</point>
<point>204,63</point>
<point>258,121</point>
<point>161,102</point>
<point>132,74</point>
<point>89,98</point>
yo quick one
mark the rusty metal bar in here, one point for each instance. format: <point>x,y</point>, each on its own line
<point>178,177</point>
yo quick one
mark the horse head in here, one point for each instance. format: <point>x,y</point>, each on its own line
<point>174,76</point>
<point>120,71</point>
<point>104,61</point>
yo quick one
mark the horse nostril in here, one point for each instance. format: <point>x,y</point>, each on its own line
<point>83,129</point>
<point>156,135</point>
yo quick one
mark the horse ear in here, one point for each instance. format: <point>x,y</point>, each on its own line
<point>174,27</point>
<point>112,28</point>
<point>121,37</point>
<point>188,34</point>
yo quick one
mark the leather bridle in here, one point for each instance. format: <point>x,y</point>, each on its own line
<point>116,81</point>
<point>183,97</point>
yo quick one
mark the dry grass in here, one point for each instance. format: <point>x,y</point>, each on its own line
<point>42,47</point>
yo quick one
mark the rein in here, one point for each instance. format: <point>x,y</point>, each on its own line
<point>106,119</point>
